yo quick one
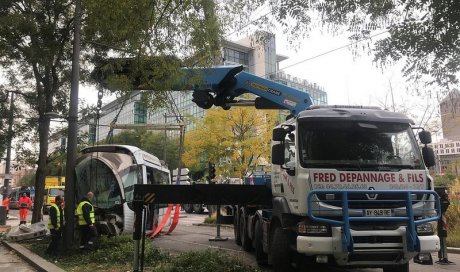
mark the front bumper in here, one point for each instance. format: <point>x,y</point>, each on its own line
<point>371,248</point>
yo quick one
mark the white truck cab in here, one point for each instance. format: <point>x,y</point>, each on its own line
<point>356,183</point>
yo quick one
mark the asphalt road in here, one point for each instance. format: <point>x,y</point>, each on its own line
<point>189,236</point>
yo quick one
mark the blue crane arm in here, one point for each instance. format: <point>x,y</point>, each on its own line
<point>219,86</point>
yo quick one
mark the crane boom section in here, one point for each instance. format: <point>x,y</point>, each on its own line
<point>220,86</point>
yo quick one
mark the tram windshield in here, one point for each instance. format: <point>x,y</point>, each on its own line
<point>95,176</point>
<point>112,176</point>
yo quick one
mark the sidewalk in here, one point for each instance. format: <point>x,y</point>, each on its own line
<point>11,261</point>
<point>33,259</point>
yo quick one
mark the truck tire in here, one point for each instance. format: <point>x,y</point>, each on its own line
<point>198,208</point>
<point>261,256</point>
<point>246,242</point>
<point>280,251</point>
<point>397,268</point>
<point>236,226</point>
<point>188,208</point>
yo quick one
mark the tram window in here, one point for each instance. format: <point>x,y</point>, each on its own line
<point>156,176</point>
<point>83,177</point>
<point>129,178</point>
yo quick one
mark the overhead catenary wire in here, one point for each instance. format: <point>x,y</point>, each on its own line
<point>248,23</point>
<point>329,51</point>
<point>180,119</point>
<point>429,117</point>
<point>174,108</point>
<point>109,138</point>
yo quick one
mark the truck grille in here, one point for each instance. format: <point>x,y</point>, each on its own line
<point>360,226</point>
<point>362,201</point>
<point>382,257</point>
<point>377,239</point>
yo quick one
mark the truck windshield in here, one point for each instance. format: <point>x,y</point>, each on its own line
<point>56,191</point>
<point>357,145</point>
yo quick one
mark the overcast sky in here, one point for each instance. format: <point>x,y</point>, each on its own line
<point>346,79</point>
<point>353,80</point>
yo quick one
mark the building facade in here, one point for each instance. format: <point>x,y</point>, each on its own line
<point>447,150</point>
<point>17,173</point>
<point>447,154</point>
<point>450,116</point>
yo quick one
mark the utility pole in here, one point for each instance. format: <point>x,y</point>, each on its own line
<point>181,150</point>
<point>73,130</point>
<point>166,134</point>
<point>164,140</point>
<point>9,139</point>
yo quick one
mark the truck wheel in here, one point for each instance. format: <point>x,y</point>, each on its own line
<point>236,227</point>
<point>280,251</point>
<point>198,208</point>
<point>261,256</point>
<point>246,242</point>
<point>397,268</point>
<point>188,208</point>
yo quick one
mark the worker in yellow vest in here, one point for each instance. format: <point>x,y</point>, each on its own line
<point>86,222</point>
<point>55,225</point>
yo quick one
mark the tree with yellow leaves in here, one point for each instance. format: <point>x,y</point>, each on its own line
<point>236,140</point>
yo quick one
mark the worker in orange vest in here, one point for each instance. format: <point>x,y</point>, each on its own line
<point>24,205</point>
<point>6,203</point>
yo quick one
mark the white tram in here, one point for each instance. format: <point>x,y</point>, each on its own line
<point>110,172</point>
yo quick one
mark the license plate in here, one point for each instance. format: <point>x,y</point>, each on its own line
<point>377,212</point>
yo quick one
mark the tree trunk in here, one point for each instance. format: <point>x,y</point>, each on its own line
<point>43,129</point>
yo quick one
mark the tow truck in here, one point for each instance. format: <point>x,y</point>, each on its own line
<point>349,185</point>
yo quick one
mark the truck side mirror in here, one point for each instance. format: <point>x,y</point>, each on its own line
<point>279,134</point>
<point>278,154</point>
<point>425,137</point>
<point>428,156</point>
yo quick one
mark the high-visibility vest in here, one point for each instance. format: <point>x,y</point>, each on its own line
<point>58,217</point>
<point>81,219</point>
<point>24,202</point>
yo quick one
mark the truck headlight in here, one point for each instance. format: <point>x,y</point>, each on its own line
<point>425,229</point>
<point>314,230</point>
